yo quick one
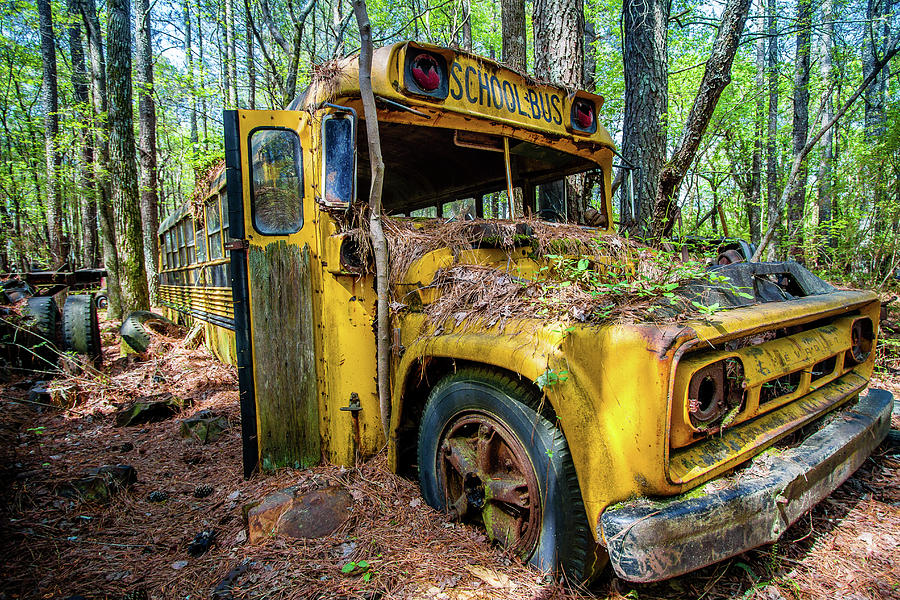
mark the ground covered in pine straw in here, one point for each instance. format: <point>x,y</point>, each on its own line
<point>54,547</point>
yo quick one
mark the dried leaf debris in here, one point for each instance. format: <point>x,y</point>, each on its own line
<point>56,547</point>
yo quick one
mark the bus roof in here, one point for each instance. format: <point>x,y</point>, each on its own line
<point>433,79</point>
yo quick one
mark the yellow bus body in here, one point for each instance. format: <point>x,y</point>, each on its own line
<point>623,408</point>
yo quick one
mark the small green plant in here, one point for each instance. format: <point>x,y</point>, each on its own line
<point>707,310</point>
<point>361,567</point>
<point>39,430</point>
<point>549,378</point>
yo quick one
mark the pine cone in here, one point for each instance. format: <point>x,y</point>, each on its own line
<point>203,490</point>
<point>158,496</point>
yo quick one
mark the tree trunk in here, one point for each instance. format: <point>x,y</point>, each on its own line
<point>189,55</point>
<point>644,56</point>
<point>86,193</point>
<point>50,101</point>
<point>559,41</point>
<point>773,214</point>
<point>875,122</point>
<point>230,56</point>
<point>147,148</point>
<point>873,45</point>
<point>251,64</point>
<point>201,59</point>
<point>466,25</point>
<point>590,56</point>
<point>559,59</point>
<point>754,208</point>
<point>515,42</point>
<point>376,232</point>
<point>800,129</point>
<point>825,234</point>
<point>716,76</point>
<point>101,173</point>
<point>122,168</point>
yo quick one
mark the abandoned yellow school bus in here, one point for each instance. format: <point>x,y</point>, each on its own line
<point>572,445</point>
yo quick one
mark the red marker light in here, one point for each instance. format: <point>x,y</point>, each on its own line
<point>583,114</point>
<point>426,72</point>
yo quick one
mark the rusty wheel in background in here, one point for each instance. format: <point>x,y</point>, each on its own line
<point>489,457</point>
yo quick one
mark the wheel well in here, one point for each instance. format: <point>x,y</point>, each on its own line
<point>422,376</point>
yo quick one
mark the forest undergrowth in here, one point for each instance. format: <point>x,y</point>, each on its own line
<point>58,547</point>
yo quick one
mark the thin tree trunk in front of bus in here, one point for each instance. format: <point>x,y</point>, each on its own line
<point>123,174</point>
<point>101,173</point>
<point>147,148</point>
<point>50,100</point>
<point>716,76</point>
<point>86,195</point>
<point>376,231</point>
<point>515,42</point>
<point>645,24</point>
<point>800,128</point>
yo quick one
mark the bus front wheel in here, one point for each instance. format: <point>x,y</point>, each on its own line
<point>487,456</point>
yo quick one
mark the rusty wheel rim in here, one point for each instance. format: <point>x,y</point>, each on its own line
<point>487,477</point>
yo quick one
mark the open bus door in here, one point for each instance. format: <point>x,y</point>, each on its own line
<point>273,238</point>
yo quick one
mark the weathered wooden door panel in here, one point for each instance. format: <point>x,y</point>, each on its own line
<point>284,355</point>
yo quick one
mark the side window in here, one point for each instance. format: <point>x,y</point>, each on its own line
<point>173,249</point>
<point>223,202</point>
<point>277,183</point>
<point>339,165</point>
<point>200,240</point>
<point>164,255</point>
<point>182,245</point>
<point>188,225</point>
<point>213,228</point>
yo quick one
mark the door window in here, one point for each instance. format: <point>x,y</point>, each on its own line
<point>277,185</point>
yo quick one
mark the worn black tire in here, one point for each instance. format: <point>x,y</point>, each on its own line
<point>565,545</point>
<point>81,326</point>
<point>45,312</point>
<point>133,331</point>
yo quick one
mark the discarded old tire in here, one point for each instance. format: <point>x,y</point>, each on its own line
<point>730,257</point>
<point>133,331</point>
<point>486,455</point>
<point>45,312</point>
<point>101,301</point>
<point>81,327</point>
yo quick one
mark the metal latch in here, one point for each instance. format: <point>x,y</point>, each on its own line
<point>354,405</point>
<point>237,244</point>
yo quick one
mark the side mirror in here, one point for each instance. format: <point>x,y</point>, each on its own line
<point>339,159</point>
